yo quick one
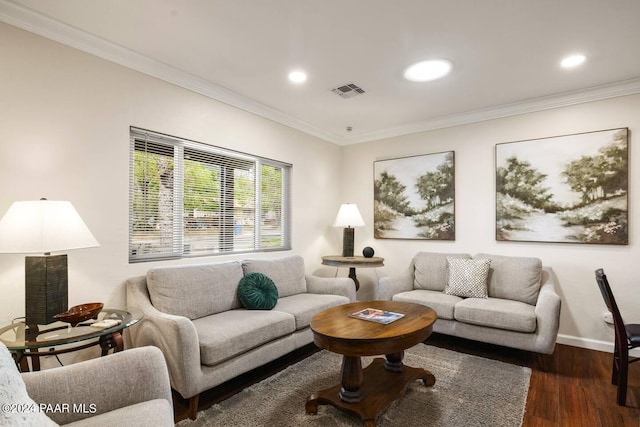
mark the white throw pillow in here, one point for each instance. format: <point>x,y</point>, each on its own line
<point>467,277</point>
<point>18,408</point>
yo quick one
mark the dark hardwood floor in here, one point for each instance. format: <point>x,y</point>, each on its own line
<point>571,387</point>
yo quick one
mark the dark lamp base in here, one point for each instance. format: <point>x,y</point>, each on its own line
<point>347,242</point>
<point>46,288</point>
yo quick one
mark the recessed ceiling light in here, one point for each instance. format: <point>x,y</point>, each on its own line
<point>428,70</point>
<point>297,76</point>
<point>573,60</point>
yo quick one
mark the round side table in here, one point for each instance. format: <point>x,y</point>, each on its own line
<point>353,262</point>
<point>26,341</point>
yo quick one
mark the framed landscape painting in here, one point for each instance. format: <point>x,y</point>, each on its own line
<point>414,197</point>
<point>570,189</point>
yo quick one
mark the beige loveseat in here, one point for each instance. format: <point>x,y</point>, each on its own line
<point>126,388</point>
<point>193,314</point>
<point>521,310</point>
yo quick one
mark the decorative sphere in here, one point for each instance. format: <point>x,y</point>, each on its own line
<point>367,252</point>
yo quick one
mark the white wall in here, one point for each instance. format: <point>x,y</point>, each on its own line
<point>64,134</point>
<point>474,145</point>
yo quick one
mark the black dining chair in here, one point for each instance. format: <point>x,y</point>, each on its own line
<point>626,338</point>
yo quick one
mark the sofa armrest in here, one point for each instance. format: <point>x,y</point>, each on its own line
<point>331,285</point>
<point>547,313</point>
<point>101,385</point>
<point>391,285</point>
<point>175,336</point>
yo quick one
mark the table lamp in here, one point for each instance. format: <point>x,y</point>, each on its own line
<point>41,227</point>
<point>348,217</point>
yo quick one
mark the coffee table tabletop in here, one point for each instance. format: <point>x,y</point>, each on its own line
<point>365,392</point>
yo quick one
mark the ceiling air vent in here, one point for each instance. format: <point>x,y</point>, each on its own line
<point>348,91</point>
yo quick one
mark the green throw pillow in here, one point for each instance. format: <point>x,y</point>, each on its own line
<point>257,292</point>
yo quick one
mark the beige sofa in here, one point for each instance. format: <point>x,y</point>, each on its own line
<point>125,388</point>
<point>521,310</point>
<point>193,314</point>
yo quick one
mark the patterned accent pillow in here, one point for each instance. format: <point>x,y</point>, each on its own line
<point>467,277</point>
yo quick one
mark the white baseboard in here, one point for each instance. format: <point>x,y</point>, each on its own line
<point>591,344</point>
<point>585,343</point>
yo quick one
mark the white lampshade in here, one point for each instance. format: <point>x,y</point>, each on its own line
<point>348,216</point>
<point>43,226</point>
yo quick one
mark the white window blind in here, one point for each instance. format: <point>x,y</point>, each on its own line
<point>192,199</point>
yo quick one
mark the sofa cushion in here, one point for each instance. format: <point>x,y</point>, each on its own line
<point>467,277</point>
<point>431,271</point>
<point>514,278</point>
<point>196,290</point>
<point>225,335</point>
<point>257,291</point>
<point>13,393</point>
<point>287,273</point>
<point>497,313</point>
<point>443,304</point>
<point>304,306</point>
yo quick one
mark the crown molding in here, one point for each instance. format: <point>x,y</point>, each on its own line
<point>596,93</point>
<point>37,23</point>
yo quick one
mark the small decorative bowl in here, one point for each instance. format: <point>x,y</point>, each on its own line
<point>80,313</point>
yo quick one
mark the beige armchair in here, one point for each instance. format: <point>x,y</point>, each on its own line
<point>125,388</point>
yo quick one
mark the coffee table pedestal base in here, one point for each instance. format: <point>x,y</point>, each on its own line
<point>380,387</point>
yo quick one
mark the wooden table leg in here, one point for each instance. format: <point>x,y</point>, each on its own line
<point>393,362</point>
<point>352,379</point>
<point>352,276</point>
<point>21,361</point>
<point>21,358</point>
<point>112,341</point>
<point>35,360</point>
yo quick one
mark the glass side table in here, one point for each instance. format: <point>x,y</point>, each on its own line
<point>25,342</point>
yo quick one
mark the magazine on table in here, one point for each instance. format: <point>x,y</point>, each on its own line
<point>375,315</point>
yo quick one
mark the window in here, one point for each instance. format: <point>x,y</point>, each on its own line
<point>191,199</point>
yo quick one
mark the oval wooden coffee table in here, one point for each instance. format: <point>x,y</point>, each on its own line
<point>366,392</point>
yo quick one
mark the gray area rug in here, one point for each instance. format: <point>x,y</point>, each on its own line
<point>469,391</point>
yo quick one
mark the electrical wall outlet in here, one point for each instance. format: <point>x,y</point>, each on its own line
<point>607,317</point>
